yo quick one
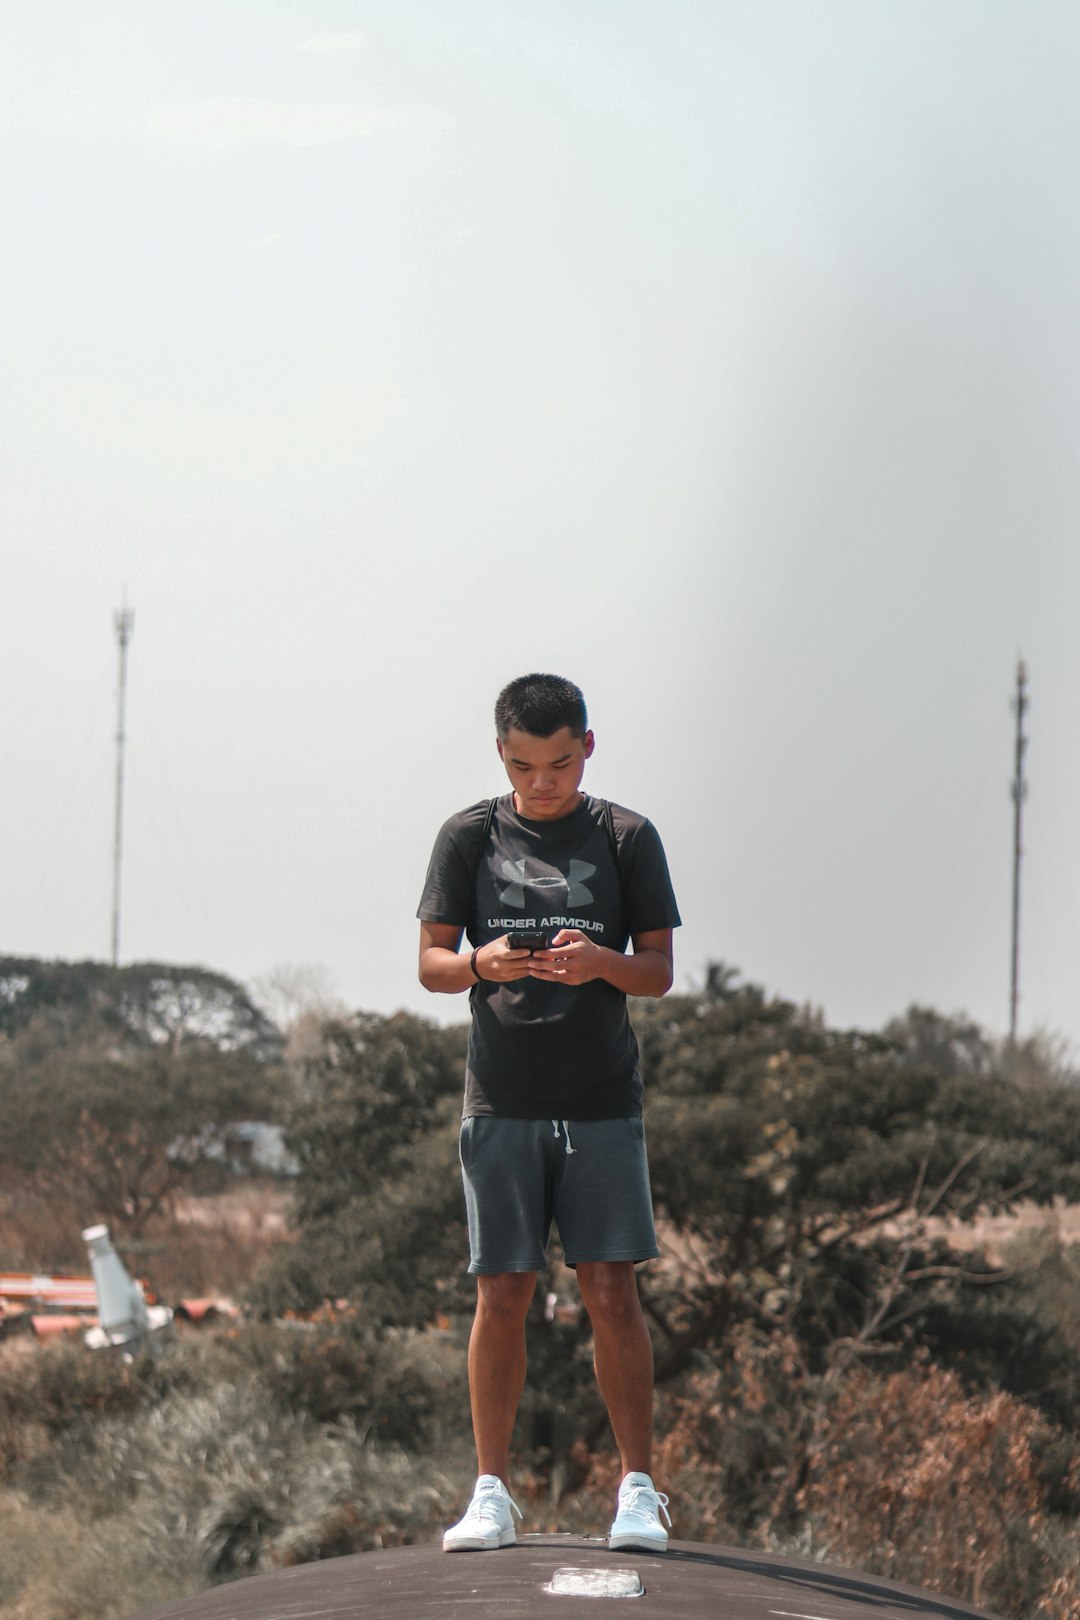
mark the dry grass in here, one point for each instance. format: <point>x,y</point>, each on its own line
<point>214,1245</point>
<point>210,1473</point>
<point>39,1232</point>
<point>994,1233</point>
<point>917,1479</point>
<point>105,1571</point>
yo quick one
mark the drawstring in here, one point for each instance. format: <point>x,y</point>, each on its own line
<point>570,1148</point>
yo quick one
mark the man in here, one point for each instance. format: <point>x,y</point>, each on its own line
<point>552,1124</point>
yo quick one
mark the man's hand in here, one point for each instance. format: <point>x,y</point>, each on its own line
<point>571,958</point>
<point>444,966</point>
<point>496,962</point>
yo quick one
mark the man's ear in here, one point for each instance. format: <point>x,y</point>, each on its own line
<point>590,744</point>
<point>499,746</point>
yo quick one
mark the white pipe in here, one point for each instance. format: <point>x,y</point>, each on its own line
<point>121,1307</point>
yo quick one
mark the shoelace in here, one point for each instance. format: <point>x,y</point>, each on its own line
<point>486,1503</point>
<point>566,1130</point>
<point>630,1501</point>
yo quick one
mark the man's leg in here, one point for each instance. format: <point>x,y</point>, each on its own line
<point>603,1207</point>
<point>622,1356</point>
<point>497,1364</point>
<point>503,1166</point>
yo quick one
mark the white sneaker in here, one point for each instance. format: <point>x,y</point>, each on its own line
<point>488,1521</point>
<point>637,1516</point>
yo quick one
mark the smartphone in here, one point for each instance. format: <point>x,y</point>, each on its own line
<point>529,940</point>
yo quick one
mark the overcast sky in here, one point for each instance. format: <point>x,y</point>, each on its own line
<point>722,356</point>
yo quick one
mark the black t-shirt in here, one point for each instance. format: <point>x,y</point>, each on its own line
<point>537,1050</point>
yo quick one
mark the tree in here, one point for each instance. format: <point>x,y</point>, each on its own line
<point>120,1138</point>
<point>372,1125</point>
<point>806,1180</point>
<point>803,1174</point>
<point>1041,1059</point>
<point>118,1084</point>
<point>141,1007</point>
<point>948,1044</point>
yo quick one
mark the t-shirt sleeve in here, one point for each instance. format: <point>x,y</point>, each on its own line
<point>449,887</point>
<point>648,897</point>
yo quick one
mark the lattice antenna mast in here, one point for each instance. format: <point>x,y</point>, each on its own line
<point>1019,794</point>
<point>124,624</point>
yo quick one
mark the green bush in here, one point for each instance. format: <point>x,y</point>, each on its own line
<point>223,1483</point>
<point>62,1387</point>
<point>397,1387</point>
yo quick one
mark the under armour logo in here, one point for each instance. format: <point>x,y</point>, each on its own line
<point>578,892</point>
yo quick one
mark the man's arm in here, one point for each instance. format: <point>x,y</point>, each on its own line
<point>444,966</point>
<point>573,958</point>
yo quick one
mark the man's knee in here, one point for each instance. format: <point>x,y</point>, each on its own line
<point>505,1296</point>
<point>609,1289</point>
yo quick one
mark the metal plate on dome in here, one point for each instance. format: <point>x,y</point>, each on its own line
<point>602,1583</point>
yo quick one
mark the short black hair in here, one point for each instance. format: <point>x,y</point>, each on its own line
<point>540,705</point>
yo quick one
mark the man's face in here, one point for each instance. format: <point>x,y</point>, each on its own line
<point>545,771</point>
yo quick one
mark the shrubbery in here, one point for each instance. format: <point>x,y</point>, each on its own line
<point>838,1377</point>
<point>915,1478</point>
<point>46,1395</point>
<point>236,1452</point>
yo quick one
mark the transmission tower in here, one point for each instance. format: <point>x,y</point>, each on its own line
<point>124,624</point>
<point>1019,794</point>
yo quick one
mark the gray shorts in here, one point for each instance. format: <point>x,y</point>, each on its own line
<point>591,1177</point>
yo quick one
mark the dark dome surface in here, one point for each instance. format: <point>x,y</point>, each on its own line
<point>692,1581</point>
